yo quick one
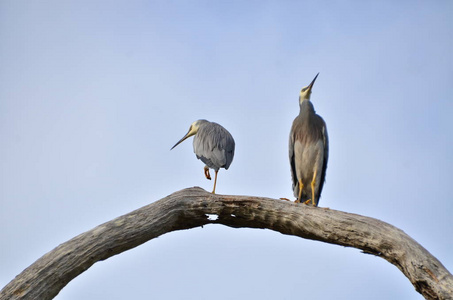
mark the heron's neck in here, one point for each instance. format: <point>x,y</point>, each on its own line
<point>306,107</point>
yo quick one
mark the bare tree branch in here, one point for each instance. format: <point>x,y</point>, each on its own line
<point>189,208</point>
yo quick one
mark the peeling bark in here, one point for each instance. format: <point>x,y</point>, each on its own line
<point>189,208</point>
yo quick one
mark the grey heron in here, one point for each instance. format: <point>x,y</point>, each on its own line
<point>212,144</point>
<point>308,150</point>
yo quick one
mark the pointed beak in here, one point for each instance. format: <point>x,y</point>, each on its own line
<point>312,83</point>
<point>188,134</point>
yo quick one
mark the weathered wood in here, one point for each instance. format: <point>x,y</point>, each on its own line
<point>189,208</point>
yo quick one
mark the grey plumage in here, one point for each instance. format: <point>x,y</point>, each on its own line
<point>212,144</point>
<point>308,150</point>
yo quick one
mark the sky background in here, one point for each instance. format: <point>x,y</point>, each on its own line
<point>93,94</point>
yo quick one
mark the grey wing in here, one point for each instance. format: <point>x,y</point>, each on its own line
<point>214,145</point>
<point>229,146</point>
<point>292,161</point>
<point>325,139</point>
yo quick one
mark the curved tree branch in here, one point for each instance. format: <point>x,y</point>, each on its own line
<point>189,208</point>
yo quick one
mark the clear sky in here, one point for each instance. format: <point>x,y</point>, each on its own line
<point>94,93</point>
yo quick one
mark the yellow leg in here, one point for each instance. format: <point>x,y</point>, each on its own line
<point>206,173</point>
<point>313,189</point>
<point>301,187</point>
<point>215,181</point>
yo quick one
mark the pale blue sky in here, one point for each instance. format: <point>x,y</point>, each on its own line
<point>94,93</point>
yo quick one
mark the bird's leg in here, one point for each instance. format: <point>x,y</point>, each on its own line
<point>206,173</point>
<point>313,189</point>
<point>215,181</point>
<point>301,187</point>
<point>310,200</point>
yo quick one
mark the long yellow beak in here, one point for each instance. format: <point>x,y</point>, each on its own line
<point>311,84</point>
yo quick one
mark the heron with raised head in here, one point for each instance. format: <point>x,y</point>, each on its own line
<point>308,150</point>
<point>212,144</point>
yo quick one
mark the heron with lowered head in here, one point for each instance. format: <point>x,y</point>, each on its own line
<point>212,144</point>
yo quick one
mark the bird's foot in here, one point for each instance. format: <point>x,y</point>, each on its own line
<point>286,199</point>
<point>206,173</point>
<point>307,202</point>
<point>297,201</point>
